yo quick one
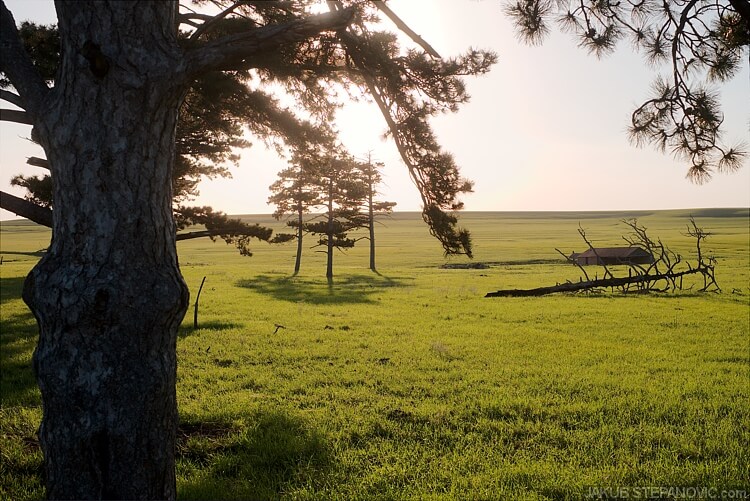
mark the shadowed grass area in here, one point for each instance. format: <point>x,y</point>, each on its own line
<point>17,385</point>
<point>213,325</point>
<point>346,289</point>
<point>11,289</point>
<point>20,410</point>
<point>270,453</point>
<point>19,336</point>
<point>417,387</point>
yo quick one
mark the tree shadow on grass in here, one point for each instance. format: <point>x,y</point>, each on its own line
<point>18,337</point>
<point>352,289</point>
<point>273,454</point>
<point>39,253</point>
<point>211,325</point>
<point>10,289</point>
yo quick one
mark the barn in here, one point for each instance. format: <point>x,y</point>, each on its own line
<point>612,256</point>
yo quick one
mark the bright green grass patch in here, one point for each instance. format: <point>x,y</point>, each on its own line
<point>409,384</point>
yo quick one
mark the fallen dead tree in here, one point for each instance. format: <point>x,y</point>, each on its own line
<point>601,283</point>
<point>660,276</point>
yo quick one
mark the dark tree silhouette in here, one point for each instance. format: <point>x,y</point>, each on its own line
<point>294,194</point>
<point>708,39</point>
<point>372,177</point>
<point>341,192</point>
<point>215,112</point>
<point>108,295</point>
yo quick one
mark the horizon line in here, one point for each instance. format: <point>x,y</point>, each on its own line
<point>512,211</point>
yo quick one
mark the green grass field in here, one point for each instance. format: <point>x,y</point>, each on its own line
<point>409,384</point>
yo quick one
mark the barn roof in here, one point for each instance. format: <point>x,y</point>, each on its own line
<point>615,252</point>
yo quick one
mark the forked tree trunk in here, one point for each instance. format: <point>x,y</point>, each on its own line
<point>109,296</point>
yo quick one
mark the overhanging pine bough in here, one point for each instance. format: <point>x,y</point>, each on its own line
<point>108,295</point>
<point>706,39</point>
<point>212,116</point>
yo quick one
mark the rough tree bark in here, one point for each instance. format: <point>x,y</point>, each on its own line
<point>108,295</point>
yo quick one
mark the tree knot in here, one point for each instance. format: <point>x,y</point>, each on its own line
<point>101,299</point>
<point>98,62</point>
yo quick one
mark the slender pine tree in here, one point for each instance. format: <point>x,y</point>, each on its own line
<point>371,175</point>
<point>341,193</point>
<point>294,196</point>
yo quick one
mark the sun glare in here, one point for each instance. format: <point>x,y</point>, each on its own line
<point>319,7</point>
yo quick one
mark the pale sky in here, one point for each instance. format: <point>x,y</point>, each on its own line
<point>545,130</point>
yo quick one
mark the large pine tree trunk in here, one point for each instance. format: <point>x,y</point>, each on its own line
<point>109,296</point>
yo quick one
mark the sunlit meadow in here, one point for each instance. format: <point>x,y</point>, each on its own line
<point>409,383</point>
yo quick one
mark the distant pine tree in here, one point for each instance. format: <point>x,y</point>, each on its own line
<point>341,192</point>
<point>372,177</point>
<point>294,194</point>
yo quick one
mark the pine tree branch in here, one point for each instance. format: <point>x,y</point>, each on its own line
<point>192,17</point>
<point>413,169</point>
<point>743,9</point>
<point>11,97</point>
<point>17,116</point>
<point>16,64</point>
<point>197,234</point>
<point>229,51</point>
<point>39,162</point>
<point>24,208</point>
<point>43,216</point>
<point>442,225</point>
<point>380,4</point>
<point>218,232</point>
<point>211,22</point>
<point>676,41</point>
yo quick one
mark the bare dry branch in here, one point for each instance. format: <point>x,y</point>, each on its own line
<point>649,279</point>
<point>405,28</point>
